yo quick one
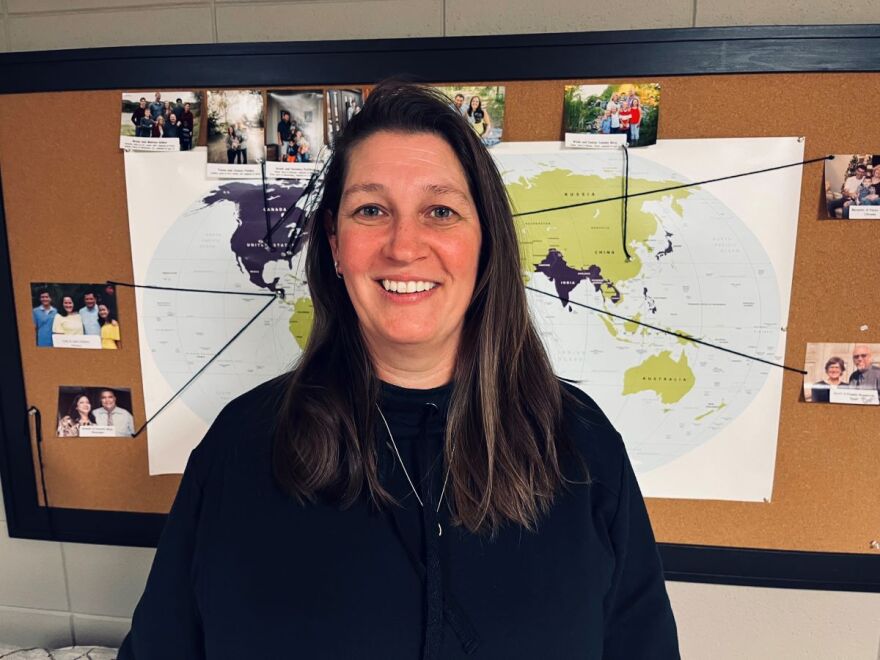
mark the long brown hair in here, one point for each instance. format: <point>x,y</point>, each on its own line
<point>505,412</point>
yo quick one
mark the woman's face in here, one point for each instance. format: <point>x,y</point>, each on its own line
<point>83,406</point>
<point>475,102</point>
<point>103,312</point>
<point>834,371</point>
<point>407,240</point>
<point>67,303</point>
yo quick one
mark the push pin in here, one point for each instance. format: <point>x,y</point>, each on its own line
<point>875,544</point>
<point>279,293</point>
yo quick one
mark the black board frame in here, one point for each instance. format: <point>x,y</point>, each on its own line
<point>673,52</point>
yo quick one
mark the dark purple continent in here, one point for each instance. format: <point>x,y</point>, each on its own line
<point>248,241</point>
<point>566,278</point>
<point>667,249</point>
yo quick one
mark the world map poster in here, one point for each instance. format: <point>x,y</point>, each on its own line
<point>708,262</point>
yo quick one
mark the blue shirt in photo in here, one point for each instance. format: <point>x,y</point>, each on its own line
<point>43,319</point>
<point>91,326</point>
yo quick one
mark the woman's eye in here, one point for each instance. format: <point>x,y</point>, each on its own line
<point>369,211</point>
<point>442,212</point>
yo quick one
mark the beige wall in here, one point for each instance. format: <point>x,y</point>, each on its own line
<point>58,593</point>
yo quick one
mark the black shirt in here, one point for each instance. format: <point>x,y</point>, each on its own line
<point>243,571</point>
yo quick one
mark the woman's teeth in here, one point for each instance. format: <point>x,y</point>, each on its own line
<point>407,287</point>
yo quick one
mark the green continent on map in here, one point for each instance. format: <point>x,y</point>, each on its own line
<point>669,378</point>
<point>301,321</point>
<point>586,235</point>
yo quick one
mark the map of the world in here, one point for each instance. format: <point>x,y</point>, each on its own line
<point>696,267</point>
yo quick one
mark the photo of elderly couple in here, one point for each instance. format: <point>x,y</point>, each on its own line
<point>842,373</point>
<point>75,315</point>
<point>852,187</point>
<point>171,115</point>
<point>94,412</point>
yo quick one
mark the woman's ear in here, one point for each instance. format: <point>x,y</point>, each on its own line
<point>330,228</point>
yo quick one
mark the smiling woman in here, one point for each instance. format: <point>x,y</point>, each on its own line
<point>420,485</point>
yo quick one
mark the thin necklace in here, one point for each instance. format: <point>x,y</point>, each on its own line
<point>410,481</point>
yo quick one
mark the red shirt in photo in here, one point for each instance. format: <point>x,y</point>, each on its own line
<point>635,116</point>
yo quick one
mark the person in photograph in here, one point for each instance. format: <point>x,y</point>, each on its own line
<point>67,321</point>
<point>44,317</point>
<point>89,314</point>
<point>109,328</point>
<point>605,126</point>
<point>284,131</point>
<point>479,118</point>
<point>865,375</point>
<point>356,106</point>
<point>138,114</point>
<point>349,111</point>
<point>109,414</point>
<point>178,107</point>
<point>458,104</point>
<point>231,145</point>
<point>834,370</point>
<point>849,191</point>
<point>157,107</point>
<point>625,116</point>
<point>187,118</point>
<point>635,120</point>
<point>495,504</point>
<point>613,103</point>
<point>79,414</point>
<point>159,127</point>
<point>187,124</point>
<point>303,149</point>
<point>291,151</point>
<point>172,127</point>
<point>241,133</point>
<point>145,125</point>
<point>614,110</point>
<point>868,193</point>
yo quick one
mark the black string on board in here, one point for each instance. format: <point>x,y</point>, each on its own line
<point>206,365</point>
<point>625,205</point>
<point>679,335</point>
<point>175,288</point>
<point>266,206</point>
<point>670,188</point>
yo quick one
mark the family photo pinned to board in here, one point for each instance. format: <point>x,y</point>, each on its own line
<point>852,187</point>
<point>160,121</point>
<point>609,116</point>
<point>236,146</point>
<point>298,119</point>
<point>482,107</point>
<point>842,373</point>
<point>342,105</point>
<point>75,315</point>
<point>94,412</point>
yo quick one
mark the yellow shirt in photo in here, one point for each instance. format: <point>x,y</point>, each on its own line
<point>67,325</point>
<point>109,335</point>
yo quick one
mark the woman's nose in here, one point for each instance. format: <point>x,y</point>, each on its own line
<point>405,239</point>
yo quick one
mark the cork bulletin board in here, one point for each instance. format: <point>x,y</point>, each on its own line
<point>64,206</point>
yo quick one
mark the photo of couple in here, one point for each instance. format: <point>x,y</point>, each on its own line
<point>342,105</point>
<point>235,127</point>
<point>628,110</point>
<point>852,187</point>
<point>842,373</point>
<point>94,412</point>
<point>481,107</point>
<point>172,115</point>
<point>298,118</point>
<point>75,315</point>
